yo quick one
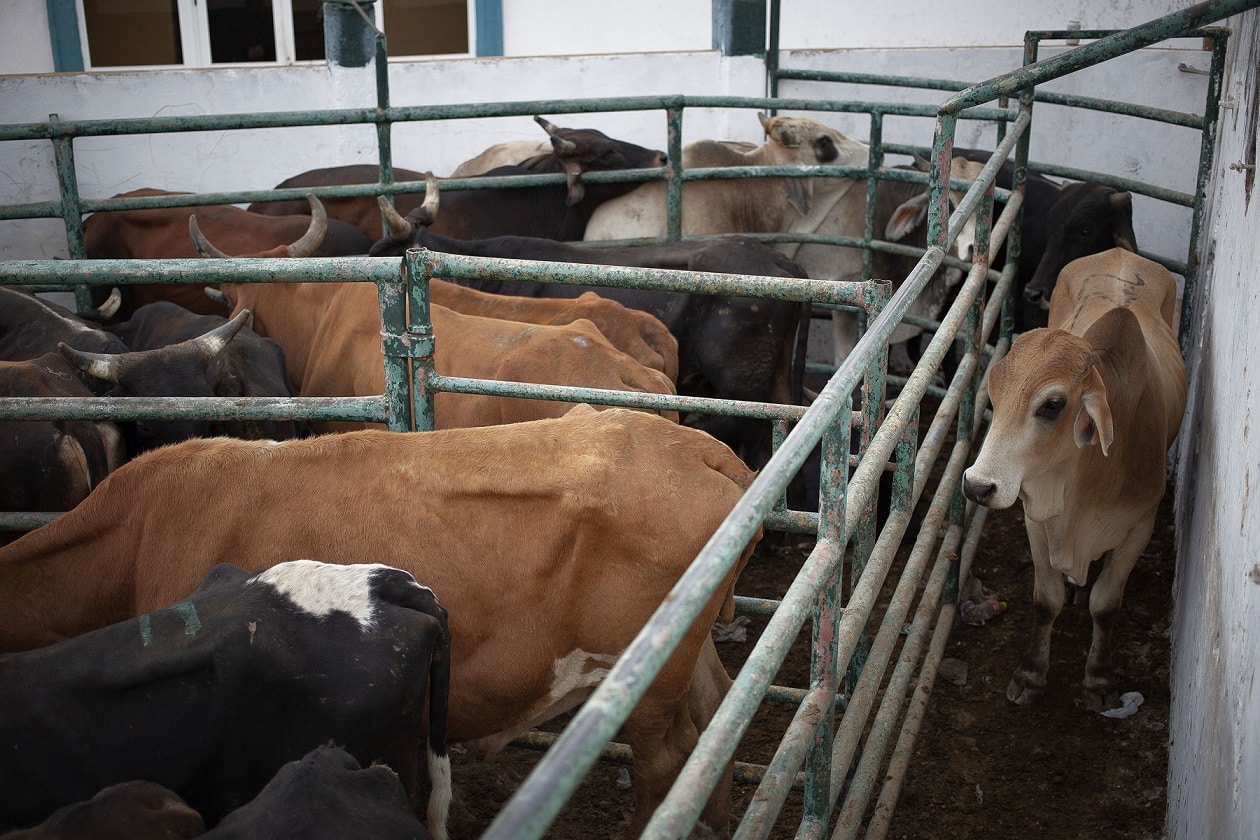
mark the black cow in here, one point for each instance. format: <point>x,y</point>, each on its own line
<point>196,360</point>
<point>326,795</point>
<point>1087,218</point>
<point>51,465</point>
<point>553,212</point>
<point>733,348</point>
<point>212,696</point>
<point>126,811</point>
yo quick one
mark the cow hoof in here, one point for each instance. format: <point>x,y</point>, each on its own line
<point>1101,696</point>
<point>1022,691</point>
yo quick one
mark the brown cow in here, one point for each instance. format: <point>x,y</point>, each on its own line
<point>330,333</point>
<point>162,233</point>
<point>638,334</point>
<point>1083,414</point>
<point>550,542</point>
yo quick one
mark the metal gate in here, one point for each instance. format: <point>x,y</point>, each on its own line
<point>872,671</point>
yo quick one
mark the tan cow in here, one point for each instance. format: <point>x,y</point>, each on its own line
<point>549,543</point>
<point>330,333</point>
<point>1083,414</point>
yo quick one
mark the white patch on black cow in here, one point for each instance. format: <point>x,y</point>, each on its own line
<point>321,588</point>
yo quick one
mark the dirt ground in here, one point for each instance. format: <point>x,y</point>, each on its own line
<point>982,767</point>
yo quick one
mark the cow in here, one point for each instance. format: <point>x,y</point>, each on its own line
<point>760,205</point>
<point>330,333</point>
<point>592,517</point>
<point>212,695</point>
<point>51,465</point>
<point>325,795</point>
<point>1083,414</point>
<point>162,233</point>
<point>730,347</point>
<point>553,211</point>
<point>638,334</point>
<point>199,366</point>
<point>191,364</point>
<point>900,214</point>
<point>512,153</point>
<point>1086,218</point>
<point>134,810</point>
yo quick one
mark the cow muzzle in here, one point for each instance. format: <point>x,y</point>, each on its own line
<point>979,490</point>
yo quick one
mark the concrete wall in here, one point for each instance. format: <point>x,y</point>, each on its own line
<point>1214,761</point>
<point>582,27</point>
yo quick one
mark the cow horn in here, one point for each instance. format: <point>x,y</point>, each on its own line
<point>109,308</point>
<point>203,246</point>
<point>563,147</point>
<point>213,342</point>
<point>314,236</point>
<point>399,228</point>
<point>765,122</point>
<point>431,196</point>
<point>218,296</point>
<point>546,126</point>
<point>98,365</point>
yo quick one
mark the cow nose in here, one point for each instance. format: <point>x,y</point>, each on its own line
<point>1033,295</point>
<point>980,492</point>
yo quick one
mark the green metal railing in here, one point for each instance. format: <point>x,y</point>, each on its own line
<point>853,731</point>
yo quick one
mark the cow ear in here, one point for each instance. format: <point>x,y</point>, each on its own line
<point>800,194</point>
<point>1093,420</point>
<point>908,216</point>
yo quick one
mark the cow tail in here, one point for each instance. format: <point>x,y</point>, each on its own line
<point>439,761</point>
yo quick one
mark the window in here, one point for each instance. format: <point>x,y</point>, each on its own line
<point>203,33</point>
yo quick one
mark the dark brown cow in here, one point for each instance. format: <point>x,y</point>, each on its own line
<point>553,212</point>
<point>163,234</point>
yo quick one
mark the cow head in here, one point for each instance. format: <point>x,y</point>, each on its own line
<point>402,228</point>
<point>1049,401</point>
<point>581,150</point>
<point>305,246</point>
<point>1086,219</point>
<point>192,368</point>
<point>800,140</point>
<point>913,212</point>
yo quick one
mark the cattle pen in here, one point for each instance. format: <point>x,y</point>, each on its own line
<point>854,725</point>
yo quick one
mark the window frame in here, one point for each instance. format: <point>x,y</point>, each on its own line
<point>194,32</point>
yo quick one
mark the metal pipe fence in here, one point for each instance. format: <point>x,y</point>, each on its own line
<point>846,751</point>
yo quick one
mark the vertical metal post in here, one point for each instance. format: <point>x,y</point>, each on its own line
<point>417,269</point>
<point>396,348</point>
<point>674,186</point>
<point>875,296</point>
<point>71,208</point>
<point>772,54</point>
<point>938,185</point>
<point>833,495</point>
<point>1207,150</point>
<point>384,148</point>
<point>875,157</point>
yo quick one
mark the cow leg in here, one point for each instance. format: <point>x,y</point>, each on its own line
<point>1104,606</point>
<point>1029,681</point>
<point>708,689</point>
<point>661,736</point>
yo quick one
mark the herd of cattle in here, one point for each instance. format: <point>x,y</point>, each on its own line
<point>236,625</point>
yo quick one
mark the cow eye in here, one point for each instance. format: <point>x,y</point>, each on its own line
<point>1085,232</point>
<point>1051,408</point>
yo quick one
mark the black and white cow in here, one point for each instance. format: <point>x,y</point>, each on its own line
<point>211,696</point>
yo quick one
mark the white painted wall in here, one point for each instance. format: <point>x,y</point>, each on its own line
<point>1214,761</point>
<point>229,160</point>
<point>24,43</point>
